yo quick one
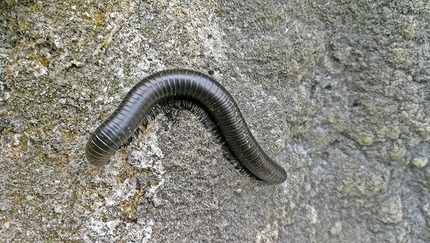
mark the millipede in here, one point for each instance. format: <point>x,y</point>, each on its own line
<point>190,86</point>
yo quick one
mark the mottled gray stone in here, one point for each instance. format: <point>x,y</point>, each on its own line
<point>337,91</point>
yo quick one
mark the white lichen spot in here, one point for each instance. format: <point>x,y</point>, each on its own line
<point>6,225</point>
<point>76,63</point>
<point>57,41</point>
<point>365,139</point>
<point>397,154</point>
<point>222,226</point>
<point>336,228</point>
<point>312,214</point>
<point>375,186</point>
<point>390,133</point>
<point>62,101</point>
<point>419,162</point>
<point>391,210</point>
<point>16,139</point>
<point>39,70</point>
<point>58,209</point>
<point>404,116</point>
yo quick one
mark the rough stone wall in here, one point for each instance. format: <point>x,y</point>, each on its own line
<point>336,91</point>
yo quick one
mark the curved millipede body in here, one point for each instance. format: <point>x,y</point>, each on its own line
<point>189,85</point>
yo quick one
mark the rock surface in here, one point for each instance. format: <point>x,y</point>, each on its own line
<point>338,92</point>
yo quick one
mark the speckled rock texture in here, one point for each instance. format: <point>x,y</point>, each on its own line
<point>338,92</point>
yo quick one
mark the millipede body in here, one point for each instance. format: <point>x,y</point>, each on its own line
<point>190,85</point>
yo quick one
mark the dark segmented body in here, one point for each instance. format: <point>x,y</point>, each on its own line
<point>176,84</point>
